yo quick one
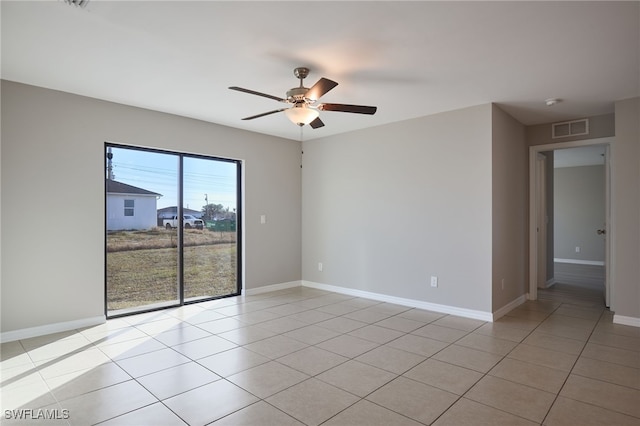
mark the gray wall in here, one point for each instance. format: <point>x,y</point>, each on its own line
<point>510,209</point>
<point>625,211</point>
<point>52,157</point>
<point>385,208</point>
<point>600,126</point>
<point>579,212</point>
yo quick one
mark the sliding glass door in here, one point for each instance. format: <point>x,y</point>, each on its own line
<point>172,234</point>
<point>141,258</point>
<point>210,257</point>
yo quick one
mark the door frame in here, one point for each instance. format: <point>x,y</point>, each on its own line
<point>240,245</point>
<point>535,193</point>
<point>542,218</point>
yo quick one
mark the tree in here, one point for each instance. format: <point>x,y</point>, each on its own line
<point>211,211</point>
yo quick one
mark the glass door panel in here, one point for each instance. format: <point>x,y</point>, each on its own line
<point>210,264</point>
<point>172,233</point>
<point>141,251</point>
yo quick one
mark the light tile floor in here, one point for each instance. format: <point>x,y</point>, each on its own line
<point>308,357</point>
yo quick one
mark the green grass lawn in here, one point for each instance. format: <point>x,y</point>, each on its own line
<point>139,276</point>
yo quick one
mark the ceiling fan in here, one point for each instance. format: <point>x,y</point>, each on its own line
<point>304,109</point>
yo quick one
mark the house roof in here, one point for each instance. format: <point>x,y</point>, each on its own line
<point>115,187</point>
<point>409,58</point>
<point>174,210</point>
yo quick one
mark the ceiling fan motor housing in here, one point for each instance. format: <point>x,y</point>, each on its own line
<point>296,94</point>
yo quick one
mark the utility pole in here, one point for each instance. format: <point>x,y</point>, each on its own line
<point>109,165</point>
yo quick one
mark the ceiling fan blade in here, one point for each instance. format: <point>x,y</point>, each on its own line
<point>253,92</point>
<point>317,123</point>
<point>264,113</point>
<point>357,109</point>
<point>321,87</point>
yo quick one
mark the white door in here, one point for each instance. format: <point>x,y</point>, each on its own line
<point>606,233</point>
<point>541,219</point>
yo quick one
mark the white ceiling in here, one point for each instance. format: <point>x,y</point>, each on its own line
<point>409,58</point>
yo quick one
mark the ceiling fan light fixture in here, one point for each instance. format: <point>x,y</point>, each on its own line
<point>301,115</point>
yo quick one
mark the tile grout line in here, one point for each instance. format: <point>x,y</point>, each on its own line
<point>503,357</point>
<point>599,380</point>
<point>573,366</point>
<point>483,376</point>
<point>347,360</point>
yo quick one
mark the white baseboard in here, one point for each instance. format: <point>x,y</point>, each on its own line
<point>551,282</point>
<point>580,262</point>
<point>26,333</point>
<point>509,307</point>
<point>632,321</point>
<point>445,309</point>
<point>272,287</point>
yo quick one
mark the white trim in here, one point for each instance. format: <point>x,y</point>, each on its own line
<point>579,262</point>
<point>509,307</point>
<point>632,321</point>
<point>243,224</point>
<point>608,225</point>
<point>42,330</point>
<point>551,282</point>
<point>272,287</point>
<point>445,309</point>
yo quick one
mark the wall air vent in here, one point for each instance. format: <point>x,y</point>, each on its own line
<point>570,128</point>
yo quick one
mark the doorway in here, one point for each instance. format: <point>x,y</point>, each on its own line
<point>584,256</point>
<point>172,229</point>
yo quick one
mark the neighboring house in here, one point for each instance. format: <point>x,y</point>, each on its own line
<point>130,207</point>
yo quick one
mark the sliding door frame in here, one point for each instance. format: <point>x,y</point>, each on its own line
<point>180,213</point>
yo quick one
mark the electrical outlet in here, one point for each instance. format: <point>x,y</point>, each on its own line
<point>263,219</point>
<point>577,249</point>
<point>320,266</point>
<point>502,283</point>
<point>434,281</point>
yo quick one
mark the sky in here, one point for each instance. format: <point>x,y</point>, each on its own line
<point>158,172</point>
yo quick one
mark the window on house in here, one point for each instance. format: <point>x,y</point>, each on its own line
<point>128,207</point>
